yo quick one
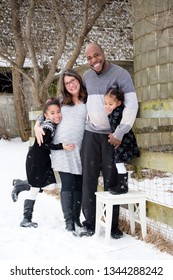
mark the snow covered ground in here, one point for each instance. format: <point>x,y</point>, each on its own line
<point>50,242</point>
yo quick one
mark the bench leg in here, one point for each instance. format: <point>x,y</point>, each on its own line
<point>108,222</point>
<point>131,218</point>
<point>143,218</point>
<point>98,216</point>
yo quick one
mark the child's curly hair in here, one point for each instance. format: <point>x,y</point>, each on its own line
<point>117,93</point>
<point>49,102</point>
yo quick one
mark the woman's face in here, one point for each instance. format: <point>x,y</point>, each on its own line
<point>72,85</point>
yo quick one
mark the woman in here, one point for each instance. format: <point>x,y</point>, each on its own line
<point>73,98</point>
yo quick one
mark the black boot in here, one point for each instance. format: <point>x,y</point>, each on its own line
<point>19,186</point>
<point>77,207</point>
<point>27,214</point>
<point>122,185</point>
<point>67,208</point>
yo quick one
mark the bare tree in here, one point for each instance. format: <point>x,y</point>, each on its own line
<point>41,31</point>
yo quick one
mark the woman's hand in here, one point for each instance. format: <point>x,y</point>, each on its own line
<point>39,132</point>
<point>68,147</point>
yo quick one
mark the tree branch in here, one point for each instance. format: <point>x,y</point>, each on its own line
<point>87,24</point>
<point>29,41</point>
<point>60,26</point>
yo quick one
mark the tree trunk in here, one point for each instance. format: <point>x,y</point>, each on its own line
<point>20,105</point>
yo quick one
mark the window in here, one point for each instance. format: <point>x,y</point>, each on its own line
<point>6,84</point>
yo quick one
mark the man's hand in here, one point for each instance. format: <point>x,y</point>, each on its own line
<point>113,141</point>
<point>39,132</point>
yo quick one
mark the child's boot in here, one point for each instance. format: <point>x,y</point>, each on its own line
<point>27,214</point>
<point>19,186</point>
<point>122,185</point>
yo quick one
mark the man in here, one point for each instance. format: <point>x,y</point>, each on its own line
<point>98,143</point>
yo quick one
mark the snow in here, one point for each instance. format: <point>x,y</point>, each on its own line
<point>50,241</point>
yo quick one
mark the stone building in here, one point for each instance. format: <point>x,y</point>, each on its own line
<point>153,70</point>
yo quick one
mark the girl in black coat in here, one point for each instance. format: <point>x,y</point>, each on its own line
<point>128,149</point>
<point>38,163</point>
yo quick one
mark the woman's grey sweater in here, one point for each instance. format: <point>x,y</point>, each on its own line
<point>69,130</point>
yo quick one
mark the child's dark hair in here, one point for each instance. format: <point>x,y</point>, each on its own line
<point>49,102</point>
<point>116,93</point>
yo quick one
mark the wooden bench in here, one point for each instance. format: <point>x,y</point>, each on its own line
<point>136,202</point>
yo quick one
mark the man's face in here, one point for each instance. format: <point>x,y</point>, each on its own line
<point>95,58</point>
